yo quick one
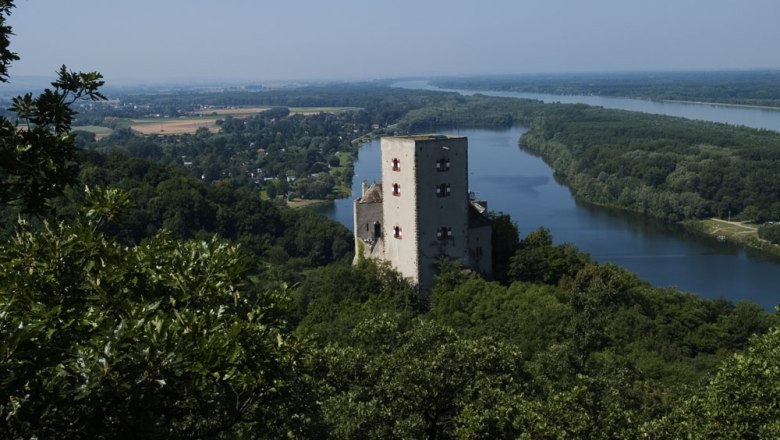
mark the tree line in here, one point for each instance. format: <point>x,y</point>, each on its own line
<point>664,167</point>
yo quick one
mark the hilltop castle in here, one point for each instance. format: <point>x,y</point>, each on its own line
<point>422,210</point>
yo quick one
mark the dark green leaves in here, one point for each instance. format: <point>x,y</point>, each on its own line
<point>166,339</point>
<point>38,160</point>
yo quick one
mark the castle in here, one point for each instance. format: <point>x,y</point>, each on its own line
<point>421,210</point>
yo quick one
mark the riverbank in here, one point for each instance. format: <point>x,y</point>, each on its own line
<point>305,203</point>
<point>720,104</point>
<point>742,233</point>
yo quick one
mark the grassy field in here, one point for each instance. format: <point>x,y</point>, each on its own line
<point>341,189</point>
<point>736,232</point>
<point>302,203</point>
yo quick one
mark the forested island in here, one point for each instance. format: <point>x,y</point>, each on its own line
<point>158,285</point>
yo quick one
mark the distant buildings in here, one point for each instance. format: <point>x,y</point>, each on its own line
<point>421,210</point>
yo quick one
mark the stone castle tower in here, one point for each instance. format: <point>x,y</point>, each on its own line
<point>421,210</point>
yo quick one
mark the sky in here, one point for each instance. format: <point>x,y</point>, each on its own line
<point>146,41</point>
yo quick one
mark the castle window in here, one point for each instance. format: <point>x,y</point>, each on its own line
<point>396,164</point>
<point>443,165</point>
<point>377,230</point>
<point>478,251</point>
<point>397,232</point>
<point>443,190</point>
<point>396,189</point>
<point>444,233</point>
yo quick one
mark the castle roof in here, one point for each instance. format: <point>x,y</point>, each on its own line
<point>478,215</point>
<point>372,195</point>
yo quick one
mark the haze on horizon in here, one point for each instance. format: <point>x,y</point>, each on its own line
<point>145,41</point>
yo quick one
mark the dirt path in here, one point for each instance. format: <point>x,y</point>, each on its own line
<point>737,224</point>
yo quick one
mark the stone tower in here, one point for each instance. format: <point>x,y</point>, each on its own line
<point>422,211</point>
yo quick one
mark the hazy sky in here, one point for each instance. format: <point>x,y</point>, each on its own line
<point>257,40</point>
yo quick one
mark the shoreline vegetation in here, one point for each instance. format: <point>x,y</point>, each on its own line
<point>721,104</point>
<point>665,171</point>
<point>741,233</point>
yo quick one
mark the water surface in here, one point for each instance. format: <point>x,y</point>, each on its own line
<point>522,185</point>
<point>755,117</point>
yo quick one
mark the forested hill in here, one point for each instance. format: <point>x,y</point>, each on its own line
<point>139,298</point>
<point>759,87</point>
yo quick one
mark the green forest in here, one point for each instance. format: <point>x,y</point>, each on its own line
<point>664,167</point>
<point>141,297</point>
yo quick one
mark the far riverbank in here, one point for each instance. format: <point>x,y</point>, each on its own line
<point>742,233</point>
<point>721,104</point>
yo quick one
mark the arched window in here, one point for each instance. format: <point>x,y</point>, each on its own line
<point>443,165</point>
<point>396,164</point>
<point>397,232</point>
<point>396,189</point>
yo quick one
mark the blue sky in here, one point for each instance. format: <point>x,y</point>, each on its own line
<point>257,40</point>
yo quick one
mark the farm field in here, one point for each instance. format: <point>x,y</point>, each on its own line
<point>208,118</point>
<point>173,126</point>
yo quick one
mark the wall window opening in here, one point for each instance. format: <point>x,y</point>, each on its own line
<point>397,232</point>
<point>396,164</point>
<point>443,190</point>
<point>444,233</point>
<point>396,189</point>
<point>443,165</point>
<point>377,230</point>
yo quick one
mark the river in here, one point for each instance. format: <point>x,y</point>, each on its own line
<point>755,117</point>
<point>522,185</point>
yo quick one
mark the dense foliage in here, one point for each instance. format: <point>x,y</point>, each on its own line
<point>163,339</point>
<point>665,167</point>
<point>165,197</point>
<point>471,111</point>
<point>770,232</point>
<point>591,353</point>
<point>37,160</point>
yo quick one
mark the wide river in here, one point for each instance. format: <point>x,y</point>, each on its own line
<point>519,184</point>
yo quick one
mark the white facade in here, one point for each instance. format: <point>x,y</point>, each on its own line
<point>425,209</point>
